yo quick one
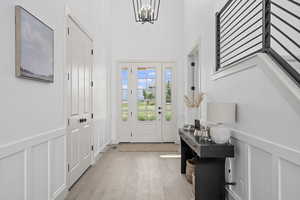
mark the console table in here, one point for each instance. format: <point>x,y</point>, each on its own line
<point>210,167</point>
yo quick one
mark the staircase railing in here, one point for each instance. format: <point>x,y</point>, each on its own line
<point>247,27</point>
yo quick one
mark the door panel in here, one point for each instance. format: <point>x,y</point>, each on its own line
<point>87,82</point>
<point>146,100</point>
<point>74,142</point>
<point>74,84</point>
<point>85,141</point>
<point>79,61</point>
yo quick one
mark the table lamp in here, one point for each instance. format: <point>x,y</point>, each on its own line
<point>221,114</point>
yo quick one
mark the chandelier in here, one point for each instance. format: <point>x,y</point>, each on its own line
<point>146,10</point>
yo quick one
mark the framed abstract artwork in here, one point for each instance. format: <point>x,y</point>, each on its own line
<point>34,47</point>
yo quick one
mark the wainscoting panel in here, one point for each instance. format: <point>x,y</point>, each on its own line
<point>39,172</point>
<point>34,168</point>
<point>12,176</point>
<point>263,170</point>
<point>239,168</point>
<point>290,180</point>
<point>261,174</point>
<point>58,166</point>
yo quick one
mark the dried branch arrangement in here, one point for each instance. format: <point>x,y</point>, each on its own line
<point>195,101</point>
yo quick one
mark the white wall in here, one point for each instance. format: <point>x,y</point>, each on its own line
<point>33,121</point>
<point>162,41</point>
<point>267,131</point>
<point>102,64</point>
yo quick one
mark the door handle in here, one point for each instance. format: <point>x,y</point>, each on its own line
<point>159,112</point>
<point>81,120</point>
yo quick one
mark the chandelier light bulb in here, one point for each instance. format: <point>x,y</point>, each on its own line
<point>146,11</point>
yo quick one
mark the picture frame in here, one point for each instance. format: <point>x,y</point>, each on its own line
<point>34,47</point>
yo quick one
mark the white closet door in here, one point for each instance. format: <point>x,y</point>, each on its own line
<point>79,61</point>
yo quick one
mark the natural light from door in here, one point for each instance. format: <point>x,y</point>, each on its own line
<point>146,94</point>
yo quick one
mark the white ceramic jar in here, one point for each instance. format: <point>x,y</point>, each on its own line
<point>220,134</point>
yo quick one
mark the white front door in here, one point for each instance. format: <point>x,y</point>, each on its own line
<point>79,66</point>
<point>147,106</point>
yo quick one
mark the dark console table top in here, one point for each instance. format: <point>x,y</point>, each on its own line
<point>206,149</point>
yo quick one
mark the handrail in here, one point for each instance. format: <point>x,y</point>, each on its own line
<point>244,29</point>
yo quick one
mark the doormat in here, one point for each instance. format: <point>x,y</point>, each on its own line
<point>148,147</point>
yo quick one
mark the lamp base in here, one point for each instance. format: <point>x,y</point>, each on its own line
<point>220,134</point>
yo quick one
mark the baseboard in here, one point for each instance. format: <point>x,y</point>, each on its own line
<point>115,141</point>
<point>61,193</point>
<point>100,152</point>
<point>97,157</point>
<point>102,149</point>
<point>232,195</point>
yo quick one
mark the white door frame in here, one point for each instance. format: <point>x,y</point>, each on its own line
<point>117,89</point>
<point>69,15</point>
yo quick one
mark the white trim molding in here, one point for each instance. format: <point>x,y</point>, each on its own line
<point>283,82</point>
<point>14,147</point>
<point>40,174</point>
<point>261,163</point>
<point>240,66</point>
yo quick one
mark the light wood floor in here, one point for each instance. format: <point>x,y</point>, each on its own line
<point>133,176</point>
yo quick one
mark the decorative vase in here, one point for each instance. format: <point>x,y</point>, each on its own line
<point>220,134</point>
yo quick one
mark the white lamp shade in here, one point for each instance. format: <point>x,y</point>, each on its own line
<point>224,113</point>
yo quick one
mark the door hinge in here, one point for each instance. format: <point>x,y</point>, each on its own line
<point>131,134</point>
<point>92,83</point>
<point>68,167</point>
<point>131,70</point>
<point>68,30</point>
<point>92,115</point>
<point>92,148</point>
<point>68,121</point>
<point>68,76</point>
<point>92,51</point>
<point>131,114</point>
<point>131,91</point>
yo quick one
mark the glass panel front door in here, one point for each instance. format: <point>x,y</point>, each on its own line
<point>146,94</point>
<point>147,102</point>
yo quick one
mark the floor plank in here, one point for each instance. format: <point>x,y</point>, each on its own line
<point>133,176</point>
